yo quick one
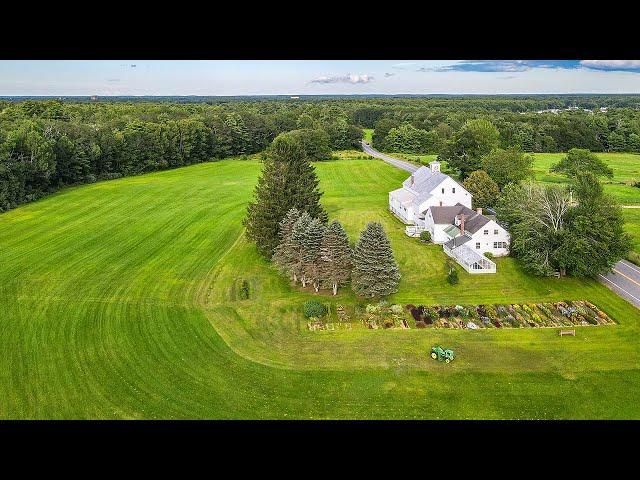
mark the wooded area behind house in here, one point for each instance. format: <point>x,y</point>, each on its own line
<point>48,144</point>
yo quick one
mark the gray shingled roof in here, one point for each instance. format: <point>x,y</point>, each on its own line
<point>473,224</point>
<point>473,221</point>
<point>442,215</point>
<point>424,181</point>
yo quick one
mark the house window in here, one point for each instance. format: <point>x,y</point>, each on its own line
<point>495,244</point>
<point>453,190</point>
<point>440,202</point>
<point>477,245</point>
<point>443,190</point>
<point>486,232</point>
<point>495,232</point>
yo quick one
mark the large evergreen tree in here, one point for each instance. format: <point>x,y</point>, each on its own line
<point>284,255</point>
<point>310,260</point>
<point>296,245</point>
<point>288,180</point>
<point>375,272</point>
<point>335,257</point>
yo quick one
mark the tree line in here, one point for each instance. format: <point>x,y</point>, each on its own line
<point>433,130</point>
<point>47,145</point>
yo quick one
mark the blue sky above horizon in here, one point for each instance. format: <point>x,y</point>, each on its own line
<point>309,77</point>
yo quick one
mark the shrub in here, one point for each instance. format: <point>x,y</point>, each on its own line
<point>244,290</point>
<point>396,309</point>
<point>416,314</point>
<point>634,258</point>
<point>452,277</point>
<point>388,323</point>
<point>371,308</point>
<point>420,324</point>
<point>425,236</point>
<point>314,309</point>
<point>489,255</point>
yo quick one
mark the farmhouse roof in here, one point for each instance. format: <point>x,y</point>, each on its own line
<point>424,181</point>
<point>404,196</point>
<point>444,215</point>
<point>474,221</point>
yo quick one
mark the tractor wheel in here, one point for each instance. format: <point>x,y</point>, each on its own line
<point>433,355</point>
<point>447,360</point>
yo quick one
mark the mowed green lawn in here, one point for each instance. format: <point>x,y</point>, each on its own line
<point>625,166</point>
<point>119,300</point>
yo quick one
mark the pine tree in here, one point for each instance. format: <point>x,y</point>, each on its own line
<point>311,242</point>
<point>288,180</point>
<point>297,246</point>
<point>283,256</point>
<point>375,272</point>
<point>335,257</point>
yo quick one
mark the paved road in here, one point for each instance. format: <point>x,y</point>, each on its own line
<point>625,281</point>
<point>409,167</point>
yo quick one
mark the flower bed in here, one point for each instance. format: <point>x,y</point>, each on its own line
<point>529,315</point>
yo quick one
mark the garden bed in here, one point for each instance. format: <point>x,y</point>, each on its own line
<point>529,315</point>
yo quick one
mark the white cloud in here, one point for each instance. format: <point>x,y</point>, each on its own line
<point>349,78</point>
<point>611,64</point>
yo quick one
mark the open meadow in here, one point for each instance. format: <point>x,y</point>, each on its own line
<point>120,299</point>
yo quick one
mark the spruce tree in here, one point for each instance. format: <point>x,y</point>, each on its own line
<point>297,246</point>
<point>288,181</point>
<point>335,257</point>
<point>311,242</point>
<point>283,256</point>
<point>375,272</point>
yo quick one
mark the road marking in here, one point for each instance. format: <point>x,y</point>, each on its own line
<point>627,277</point>
<point>630,265</point>
<point>619,287</point>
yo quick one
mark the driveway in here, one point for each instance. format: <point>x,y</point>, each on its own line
<point>409,167</point>
<point>625,281</point>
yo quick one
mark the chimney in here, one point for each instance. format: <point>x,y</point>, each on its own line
<point>462,224</point>
<point>479,211</point>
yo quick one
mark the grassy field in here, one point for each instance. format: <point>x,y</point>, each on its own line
<point>119,300</point>
<point>632,225</point>
<point>368,133</point>
<point>626,168</point>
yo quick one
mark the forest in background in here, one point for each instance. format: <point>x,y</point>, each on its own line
<point>47,144</point>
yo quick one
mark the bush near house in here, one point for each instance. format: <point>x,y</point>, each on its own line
<point>314,309</point>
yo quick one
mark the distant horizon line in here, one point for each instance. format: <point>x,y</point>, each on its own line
<point>317,95</point>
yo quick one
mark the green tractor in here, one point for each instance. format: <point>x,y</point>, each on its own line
<point>438,353</point>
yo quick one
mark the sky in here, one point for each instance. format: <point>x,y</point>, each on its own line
<point>315,77</point>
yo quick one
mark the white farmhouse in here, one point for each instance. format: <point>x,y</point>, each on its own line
<point>459,225</point>
<point>426,187</point>
<point>432,201</point>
